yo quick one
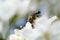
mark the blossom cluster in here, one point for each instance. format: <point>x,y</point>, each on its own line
<point>41,25</point>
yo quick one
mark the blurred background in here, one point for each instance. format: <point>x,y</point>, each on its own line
<point>13,13</point>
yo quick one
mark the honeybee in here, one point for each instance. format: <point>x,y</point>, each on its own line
<point>32,17</point>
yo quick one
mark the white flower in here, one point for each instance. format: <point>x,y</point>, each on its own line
<point>28,25</point>
<point>7,9</point>
<point>29,33</point>
<point>43,23</point>
<point>17,35</point>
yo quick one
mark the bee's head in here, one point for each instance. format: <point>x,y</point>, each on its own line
<point>35,15</point>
